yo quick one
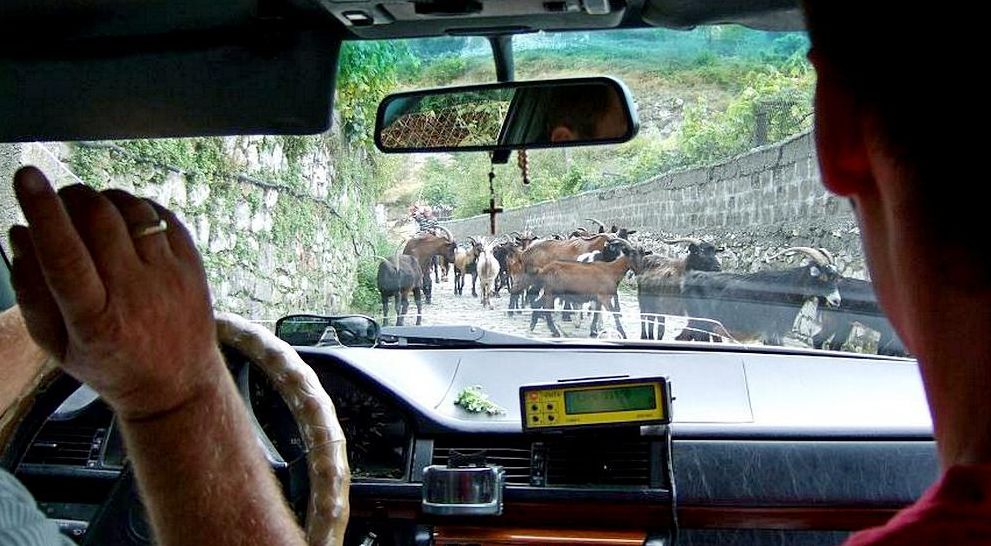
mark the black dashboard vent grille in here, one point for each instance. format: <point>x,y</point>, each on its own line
<point>607,461</point>
<point>66,443</point>
<point>512,455</point>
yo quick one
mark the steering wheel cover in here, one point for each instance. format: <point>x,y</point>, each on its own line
<point>328,508</point>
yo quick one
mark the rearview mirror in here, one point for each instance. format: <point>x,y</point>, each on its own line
<point>507,116</point>
<point>327,331</point>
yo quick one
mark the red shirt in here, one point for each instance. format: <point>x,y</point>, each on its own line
<point>954,511</point>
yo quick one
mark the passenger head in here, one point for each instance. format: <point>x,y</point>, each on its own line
<point>896,109</point>
<point>585,112</point>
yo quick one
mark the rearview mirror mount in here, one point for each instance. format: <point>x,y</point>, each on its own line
<point>507,116</point>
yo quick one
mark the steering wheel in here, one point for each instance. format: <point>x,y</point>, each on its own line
<point>327,462</point>
<point>120,521</point>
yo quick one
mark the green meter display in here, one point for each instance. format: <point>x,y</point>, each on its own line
<point>632,398</point>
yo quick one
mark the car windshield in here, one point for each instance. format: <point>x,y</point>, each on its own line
<point>710,225</point>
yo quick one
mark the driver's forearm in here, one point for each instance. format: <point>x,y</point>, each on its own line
<point>203,477</point>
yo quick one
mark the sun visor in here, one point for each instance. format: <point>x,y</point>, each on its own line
<point>773,15</point>
<point>170,85</point>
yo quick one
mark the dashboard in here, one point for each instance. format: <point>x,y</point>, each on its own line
<point>770,446</point>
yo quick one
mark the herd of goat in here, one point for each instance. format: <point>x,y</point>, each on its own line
<point>586,267</point>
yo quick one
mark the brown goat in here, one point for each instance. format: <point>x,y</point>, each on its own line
<point>570,280</point>
<point>543,252</point>
<point>424,246</point>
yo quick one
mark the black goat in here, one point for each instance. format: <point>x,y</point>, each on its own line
<point>397,277</point>
<point>659,283</point>
<point>760,305</point>
<point>859,305</point>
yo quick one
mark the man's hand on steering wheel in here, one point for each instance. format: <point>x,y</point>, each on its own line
<point>113,287</point>
<point>109,289</point>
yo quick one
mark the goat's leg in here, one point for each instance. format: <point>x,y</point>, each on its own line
<point>593,329</point>
<point>566,311</point>
<point>385,309</point>
<point>401,307</point>
<point>428,286</point>
<point>694,331</point>
<point>474,278</point>
<point>617,315</point>
<point>548,305</point>
<point>418,298</point>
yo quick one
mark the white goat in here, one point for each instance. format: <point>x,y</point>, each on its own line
<point>487,267</point>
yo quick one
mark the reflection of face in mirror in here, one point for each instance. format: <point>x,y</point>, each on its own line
<point>583,112</point>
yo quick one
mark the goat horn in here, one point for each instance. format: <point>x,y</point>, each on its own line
<point>816,256</point>
<point>518,234</point>
<point>601,225</point>
<point>829,256</point>
<point>473,240</point>
<point>450,236</point>
<point>381,258</point>
<point>689,240</point>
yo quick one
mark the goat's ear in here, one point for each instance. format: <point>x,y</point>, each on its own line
<point>631,231</point>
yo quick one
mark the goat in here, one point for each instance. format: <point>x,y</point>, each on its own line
<point>621,232</point>
<point>424,246</point>
<point>397,277</point>
<point>545,251</point>
<point>511,266</point>
<point>760,305</point>
<point>465,264</point>
<point>488,269</point>
<point>859,305</point>
<point>504,252</point>
<point>659,282</point>
<point>580,281</point>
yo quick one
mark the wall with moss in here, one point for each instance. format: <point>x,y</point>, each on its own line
<point>279,220</point>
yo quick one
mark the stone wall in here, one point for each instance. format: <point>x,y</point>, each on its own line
<point>269,247</point>
<point>755,203</point>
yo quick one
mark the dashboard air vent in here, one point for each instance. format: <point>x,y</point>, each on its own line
<point>580,462</point>
<point>66,443</point>
<point>512,455</point>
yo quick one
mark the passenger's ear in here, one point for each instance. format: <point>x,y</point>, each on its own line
<point>562,134</point>
<point>845,165</point>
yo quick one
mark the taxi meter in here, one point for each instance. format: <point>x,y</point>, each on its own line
<point>595,402</point>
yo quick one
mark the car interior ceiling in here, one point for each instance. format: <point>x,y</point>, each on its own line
<point>127,75</point>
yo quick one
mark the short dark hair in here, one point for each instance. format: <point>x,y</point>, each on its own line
<point>569,105</point>
<point>912,69</point>
<point>903,60</point>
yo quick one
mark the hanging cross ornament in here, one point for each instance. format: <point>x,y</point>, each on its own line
<point>493,209</point>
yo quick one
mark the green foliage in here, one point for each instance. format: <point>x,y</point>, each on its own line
<point>445,46</point>
<point>445,70</point>
<point>474,400</point>
<point>367,71</point>
<point>783,95</point>
<point>203,156</point>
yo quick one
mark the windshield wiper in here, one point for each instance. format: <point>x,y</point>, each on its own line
<point>449,336</point>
